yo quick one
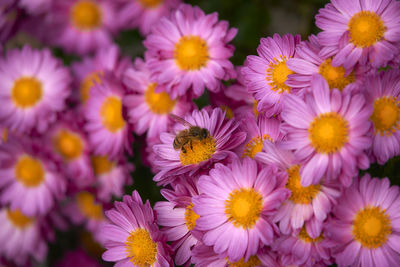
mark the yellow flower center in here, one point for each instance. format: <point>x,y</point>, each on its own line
<point>111,114</point>
<point>88,206</point>
<point>202,151</point>
<point>86,15</point>
<point>335,76</point>
<point>190,217</point>
<point>371,227</point>
<point>191,53</point>
<point>26,92</point>
<point>277,73</point>
<point>228,112</point>
<point>303,235</point>
<point>328,133</point>
<point>252,262</point>
<point>88,82</point>
<point>386,115</point>
<point>366,28</point>
<point>159,103</point>
<point>68,144</point>
<point>255,145</point>
<point>18,219</point>
<point>29,171</point>
<point>140,248</point>
<point>299,193</point>
<point>243,207</point>
<point>101,164</point>
<point>150,3</point>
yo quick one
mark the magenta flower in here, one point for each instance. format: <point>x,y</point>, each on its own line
<point>190,51</point>
<point>235,206</point>
<point>365,226</point>
<point>359,31</point>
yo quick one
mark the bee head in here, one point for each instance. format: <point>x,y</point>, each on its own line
<point>203,133</point>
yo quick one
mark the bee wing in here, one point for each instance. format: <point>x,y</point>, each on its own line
<point>180,120</point>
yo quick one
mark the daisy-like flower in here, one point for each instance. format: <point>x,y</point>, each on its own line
<point>197,154</point>
<point>31,181</point>
<point>190,50</point>
<point>359,31</point>
<point>111,176</point>
<point>267,73</point>
<point>133,237</point>
<point>21,237</point>
<point>235,206</point>
<point>33,87</point>
<point>106,126</point>
<point>91,70</point>
<point>148,109</point>
<point>307,62</point>
<point>82,26</point>
<point>307,206</point>
<point>365,226</point>
<point>329,133</point>
<point>144,14</point>
<point>383,92</point>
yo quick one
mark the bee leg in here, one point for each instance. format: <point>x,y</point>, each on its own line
<point>183,149</point>
<point>191,144</point>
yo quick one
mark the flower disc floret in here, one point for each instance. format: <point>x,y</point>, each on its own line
<point>26,92</point>
<point>335,76</point>
<point>386,115</point>
<point>159,103</point>
<point>86,15</point>
<point>29,171</point>
<point>300,194</point>
<point>191,53</point>
<point>199,152</point>
<point>366,28</point>
<point>140,248</point>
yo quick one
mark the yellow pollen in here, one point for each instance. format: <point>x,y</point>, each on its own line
<point>140,248</point>
<point>366,28</point>
<point>328,133</point>
<point>371,227</point>
<point>335,76</point>
<point>111,114</point>
<point>254,146</point>
<point>150,3</point>
<point>29,171</point>
<point>277,73</point>
<point>300,194</point>
<point>26,92</point>
<point>243,207</point>
<point>18,219</point>
<point>190,217</point>
<point>68,144</point>
<point>88,82</point>
<point>303,235</point>
<point>87,205</point>
<point>101,164</point>
<point>255,103</point>
<point>202,151</point>
<point>252,262</point>
<point>86,15</point>
<point>159,103</point>
<point>228,111</point>
<point>386,115</point>
<point>191,53</point>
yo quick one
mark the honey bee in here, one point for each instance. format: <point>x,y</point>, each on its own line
<point>187,136</point>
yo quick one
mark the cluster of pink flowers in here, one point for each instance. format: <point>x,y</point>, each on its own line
<point>271,173</point>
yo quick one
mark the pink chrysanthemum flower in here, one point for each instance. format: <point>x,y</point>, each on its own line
<point>329,133</point>
<point>21,237</point>
<point>307,62</point>
<point>235,206</point>
<point>267,73</point>
<point>106,127</point>
<point>190,50</point>
<point>149,109</point>
<point>178,219</point>
<point>91,70</point>
<point>365,226</point>
<point>111,176</point>
<point>82,26</point>
<point>197,155</point>
<point>30,180</point>
<point>383,92</point>
<point>133,237</point>
<point>359,31</point>
<point>33,87</point>
<point>144,14</point>
<point>307,206</point>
